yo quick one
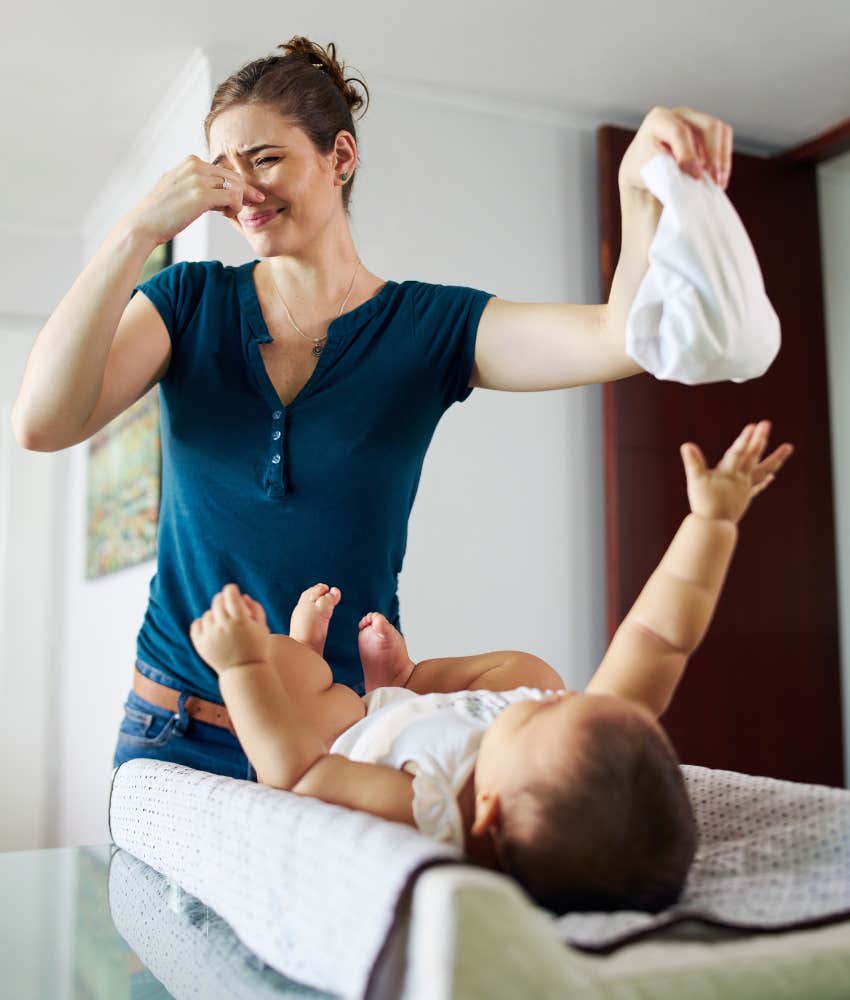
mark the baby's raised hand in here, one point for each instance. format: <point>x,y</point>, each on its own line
<point>233,632</point>
<point>725,491</point>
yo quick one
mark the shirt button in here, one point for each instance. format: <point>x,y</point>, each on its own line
<point>276,415</point>
<point>275,459</point>
<point>276,435</point>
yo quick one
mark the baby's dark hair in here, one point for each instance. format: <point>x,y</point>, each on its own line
<point>610,829</point>
<point>306,84</point>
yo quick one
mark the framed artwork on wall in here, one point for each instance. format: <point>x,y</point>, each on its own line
<point>123,476</point>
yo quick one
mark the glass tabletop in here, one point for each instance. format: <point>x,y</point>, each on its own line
<point>95,923</point>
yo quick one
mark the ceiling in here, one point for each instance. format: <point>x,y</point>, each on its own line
<point>81,78</point>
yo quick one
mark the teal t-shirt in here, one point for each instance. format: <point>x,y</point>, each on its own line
<point>276,498</point>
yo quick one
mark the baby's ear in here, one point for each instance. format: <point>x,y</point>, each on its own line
<point>487,813</point>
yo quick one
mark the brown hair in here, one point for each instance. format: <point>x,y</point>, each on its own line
<point>306,85</point>
<point>614,830</point>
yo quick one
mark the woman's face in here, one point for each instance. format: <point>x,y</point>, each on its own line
<point>277,157</point>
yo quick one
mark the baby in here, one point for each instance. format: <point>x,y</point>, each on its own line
<point>578,795</point>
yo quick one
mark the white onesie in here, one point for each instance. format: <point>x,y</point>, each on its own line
<point>435,737</point>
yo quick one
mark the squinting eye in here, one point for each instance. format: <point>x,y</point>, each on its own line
<point>266,159</point>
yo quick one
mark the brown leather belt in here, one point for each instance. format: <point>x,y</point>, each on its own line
<point>166,697</point>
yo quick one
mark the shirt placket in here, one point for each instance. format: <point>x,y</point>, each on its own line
<point>276,478</point>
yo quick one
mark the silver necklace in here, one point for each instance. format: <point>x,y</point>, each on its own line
<point>318,342</point>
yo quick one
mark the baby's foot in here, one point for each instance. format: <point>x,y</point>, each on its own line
<point>383,653</point>
<point>312,615</point>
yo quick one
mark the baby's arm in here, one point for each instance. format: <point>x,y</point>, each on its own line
<point>233,638</point>
<point>649,651</point>
<point>286,752</point>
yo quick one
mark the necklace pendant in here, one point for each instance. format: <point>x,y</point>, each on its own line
<point>317,350</point>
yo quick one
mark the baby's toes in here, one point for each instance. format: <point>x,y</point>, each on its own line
<point>327,602</point>
<point>379,623</point>
<point>324,606</point>
<point>314,593</point>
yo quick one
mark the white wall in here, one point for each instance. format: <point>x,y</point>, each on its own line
<point>30,611</point>
<point>31,546</point>
<point>834,208</point>
<point>506,538</point>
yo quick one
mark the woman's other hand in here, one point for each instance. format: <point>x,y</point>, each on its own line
<point>696,141</point>
<point>233,632</point>
<point>184,193</point>
<point>724,492</point>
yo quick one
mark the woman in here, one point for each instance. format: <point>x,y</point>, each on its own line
<point>299,393</point>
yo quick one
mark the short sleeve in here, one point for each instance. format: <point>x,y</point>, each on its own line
<point>446,320</point>
<point>176,292</point>
<point>435,808</point>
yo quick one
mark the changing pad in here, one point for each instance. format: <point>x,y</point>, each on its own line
<point>313,889</point>
<point>309,887</point>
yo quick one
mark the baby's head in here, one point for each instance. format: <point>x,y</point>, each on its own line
<point>584,799</point>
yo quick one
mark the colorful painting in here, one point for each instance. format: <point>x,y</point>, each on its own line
<point>123,477</point>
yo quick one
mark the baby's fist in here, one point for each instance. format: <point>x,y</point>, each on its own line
<point>233,632</point>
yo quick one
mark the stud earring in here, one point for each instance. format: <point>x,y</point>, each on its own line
<point>345,177</point>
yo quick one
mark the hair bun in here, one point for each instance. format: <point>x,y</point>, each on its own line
<point>326,60</point>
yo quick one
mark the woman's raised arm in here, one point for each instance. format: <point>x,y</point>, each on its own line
<point>530,346</point>
<point>97,354</point>
<point>64,372</point>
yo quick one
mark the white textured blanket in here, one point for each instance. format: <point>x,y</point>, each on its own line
<point>310,888</point>
<point>313,889</point>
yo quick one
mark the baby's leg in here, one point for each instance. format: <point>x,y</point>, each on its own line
<point>499,671</point>
<point>383,653</point>
<point>327,707</point>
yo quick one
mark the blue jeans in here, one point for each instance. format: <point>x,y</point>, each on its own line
<point>150,731</point>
